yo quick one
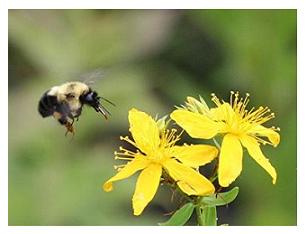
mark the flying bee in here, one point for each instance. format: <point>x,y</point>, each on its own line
<point>65,102</point>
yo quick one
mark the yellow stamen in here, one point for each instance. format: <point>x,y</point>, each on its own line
<point>125,154</point>
<point>168,138</point>
<point>241,120</point>
<point>231,94</point>
<point>215,99</point>
<point>127,139</point>
<point>119,167</point>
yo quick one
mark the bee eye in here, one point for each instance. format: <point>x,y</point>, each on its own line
<point>70,95</point>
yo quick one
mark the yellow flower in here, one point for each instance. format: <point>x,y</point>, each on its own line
<point>239,126</point>
<point>157,151</point>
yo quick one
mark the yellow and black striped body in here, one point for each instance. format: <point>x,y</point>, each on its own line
<point>65,102</point>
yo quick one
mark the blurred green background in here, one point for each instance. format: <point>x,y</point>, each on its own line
<point>151,60</point>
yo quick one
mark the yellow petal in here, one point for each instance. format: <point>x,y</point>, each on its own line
<point>230,161</point>
<point>223,112</point>
<point>189,181</point>
<point>146,187</point>
<point>196,125</point>
<point>144,130</point>
<point>272,135</point>
<point>194,155</point>
<point>255,152</point>
<point>130,168</point>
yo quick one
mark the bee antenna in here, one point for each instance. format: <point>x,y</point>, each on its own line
<point>108,101</point>
<point>104,111</point>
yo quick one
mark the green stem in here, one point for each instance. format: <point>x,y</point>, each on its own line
<point>206,214</point>
<point>213,177</point>
<point>216,143</point>
<point>199,214</point>
<point>214,174</point>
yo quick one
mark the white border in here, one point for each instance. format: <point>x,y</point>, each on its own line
<point>153,230</point>
<point>301,116</point>
<point>158,4</point>
<point>4,117</point>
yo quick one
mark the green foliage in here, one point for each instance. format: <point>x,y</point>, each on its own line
<point>181,216</point>
<point>220,199</point>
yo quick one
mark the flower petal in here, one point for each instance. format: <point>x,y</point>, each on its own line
<point>194,155</point>
<point>130,168</point>
<point>144,130</point>
<point>272,135</point>
<point>222,112</point>
<point>190,181</point>
<point>230,162</point>
<point>146,187</point>
<point>255,152</point>
<point>196,125</point>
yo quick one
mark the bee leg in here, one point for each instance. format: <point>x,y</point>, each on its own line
<point>69,126</point>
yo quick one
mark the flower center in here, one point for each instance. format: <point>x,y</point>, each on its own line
<point>238,120</point>
<point>168,138</point>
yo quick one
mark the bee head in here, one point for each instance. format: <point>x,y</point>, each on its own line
<point>92,99</point>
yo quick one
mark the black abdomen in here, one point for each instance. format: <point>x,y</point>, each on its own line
<point>47,105</point>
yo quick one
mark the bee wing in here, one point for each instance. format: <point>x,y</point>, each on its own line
<point>91,77</point>
<point>88,78</point>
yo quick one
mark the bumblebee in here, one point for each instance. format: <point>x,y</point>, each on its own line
<point>65,103</point>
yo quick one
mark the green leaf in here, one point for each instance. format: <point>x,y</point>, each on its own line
<point>220,199</point>
<point>181,216</point>
<point>207,216</point>
<point>162,122</point>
